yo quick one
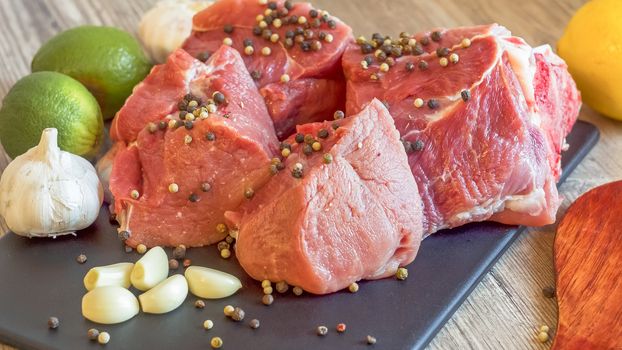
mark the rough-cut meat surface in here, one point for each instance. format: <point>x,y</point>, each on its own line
<point>304,43</point>
<point>356,217</point>
<point>484,141</point>
<point>187,174</point>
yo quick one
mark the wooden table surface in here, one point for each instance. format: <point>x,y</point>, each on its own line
<point>506,309</point>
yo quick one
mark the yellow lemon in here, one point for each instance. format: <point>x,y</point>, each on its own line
<point>592,47</point>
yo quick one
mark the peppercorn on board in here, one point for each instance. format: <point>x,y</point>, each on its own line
<point>42,279</point>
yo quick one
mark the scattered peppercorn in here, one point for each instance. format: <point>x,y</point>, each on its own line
<point>466,95</point>
<point>354,287</point>
<point>418,102</point>
<point>322,331</point>
<point>282,287</point>
<point>206,187</point>
<point>410,67</point>
<point>285,78</point>
<point>370,340</point>
<point>223,245</point>
<point>328,158</point>
<point>443,61</point>
<point>194,198</point>
<point>216,342</point>
<point>543,337</point>
<point>417,146</point>
<point>249,193</point>
<point>423,65</point>
<point>228,310</point>
<point>267,290</point>
<point>339,115</point>
<point>134,194</point>
<point>128,249</point>
<point>300,138</point>
<point>267,299</point>
<point>436,36</point>
<point>466,42</point>
<point>237,314</point>
<point>81,259</point>
<point>256,75</point>
<point>548,292</point>
<point>425,41</point>
<point>401,274</point>
<point>187,263</point>
<point>227,41</point>
<point>199,304</point>
<point>433,104</point>
<point>335,126</point>
<point>141,249</point>
<point>103,338</point>
<point>53,322</point>
<point>208,324</point>
<point>297,291</point>
<point>316,146</point>
<point>203,56</point>
<point>341,327</point>
<point>92,334</point>
<point>225,253</point>
<point>254,323</point>
<point>544,328</point>
<point>442,52</point>
<point>173,264</point>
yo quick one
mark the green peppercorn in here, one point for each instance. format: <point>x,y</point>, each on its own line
<point>328,158</point>
<point>401,274</point>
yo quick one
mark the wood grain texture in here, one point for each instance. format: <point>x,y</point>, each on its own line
<point>588,262</point>
<point>506,309</point>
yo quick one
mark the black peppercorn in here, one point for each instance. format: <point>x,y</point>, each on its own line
<point>228,28</point>
<point>433,104</point>
<point>466,95</point>
<point>436,36</point>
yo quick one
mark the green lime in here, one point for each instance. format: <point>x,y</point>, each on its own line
<point>50,100</point>
<point>108,61</point>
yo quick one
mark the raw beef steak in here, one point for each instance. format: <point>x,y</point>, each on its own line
<point>205,147</point>
<point>483,117</point>
<point>276,39</point>
<point>332,216</point>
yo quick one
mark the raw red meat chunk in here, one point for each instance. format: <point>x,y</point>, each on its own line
<point>342,206</point>
<point>198,141</point>
<point>483,117</point>
<point>293,51</point>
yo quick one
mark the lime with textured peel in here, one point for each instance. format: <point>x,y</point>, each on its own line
<point>591,46</point>
<point>50,100</point>
<point>108,61</point>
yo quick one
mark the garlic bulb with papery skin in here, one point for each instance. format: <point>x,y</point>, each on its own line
<point>165,27</point>
<point>47,192</point>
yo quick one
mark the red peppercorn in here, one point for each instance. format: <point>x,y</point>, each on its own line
<point>341,327</point>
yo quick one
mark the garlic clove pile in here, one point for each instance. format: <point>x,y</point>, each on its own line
<point>47,192</point>
<point>164,28</point>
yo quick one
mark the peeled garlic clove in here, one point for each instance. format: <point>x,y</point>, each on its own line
<point>109,305</point>
<point>166,296</point>
<point>150,270</point>
<point>111,275</point>
<point>211,284</point>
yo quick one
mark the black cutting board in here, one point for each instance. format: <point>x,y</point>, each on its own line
<point>40,278</point>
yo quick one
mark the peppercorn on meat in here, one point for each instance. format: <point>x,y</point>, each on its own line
<point>292,50</point>
<point>173,184</point>
<point>483,117</point>
<point>341,206</point>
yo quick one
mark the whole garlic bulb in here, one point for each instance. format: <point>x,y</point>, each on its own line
<point>164,28</point>
<point>47,192</point>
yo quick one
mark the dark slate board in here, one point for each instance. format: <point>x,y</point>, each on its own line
<point>40,278</point>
